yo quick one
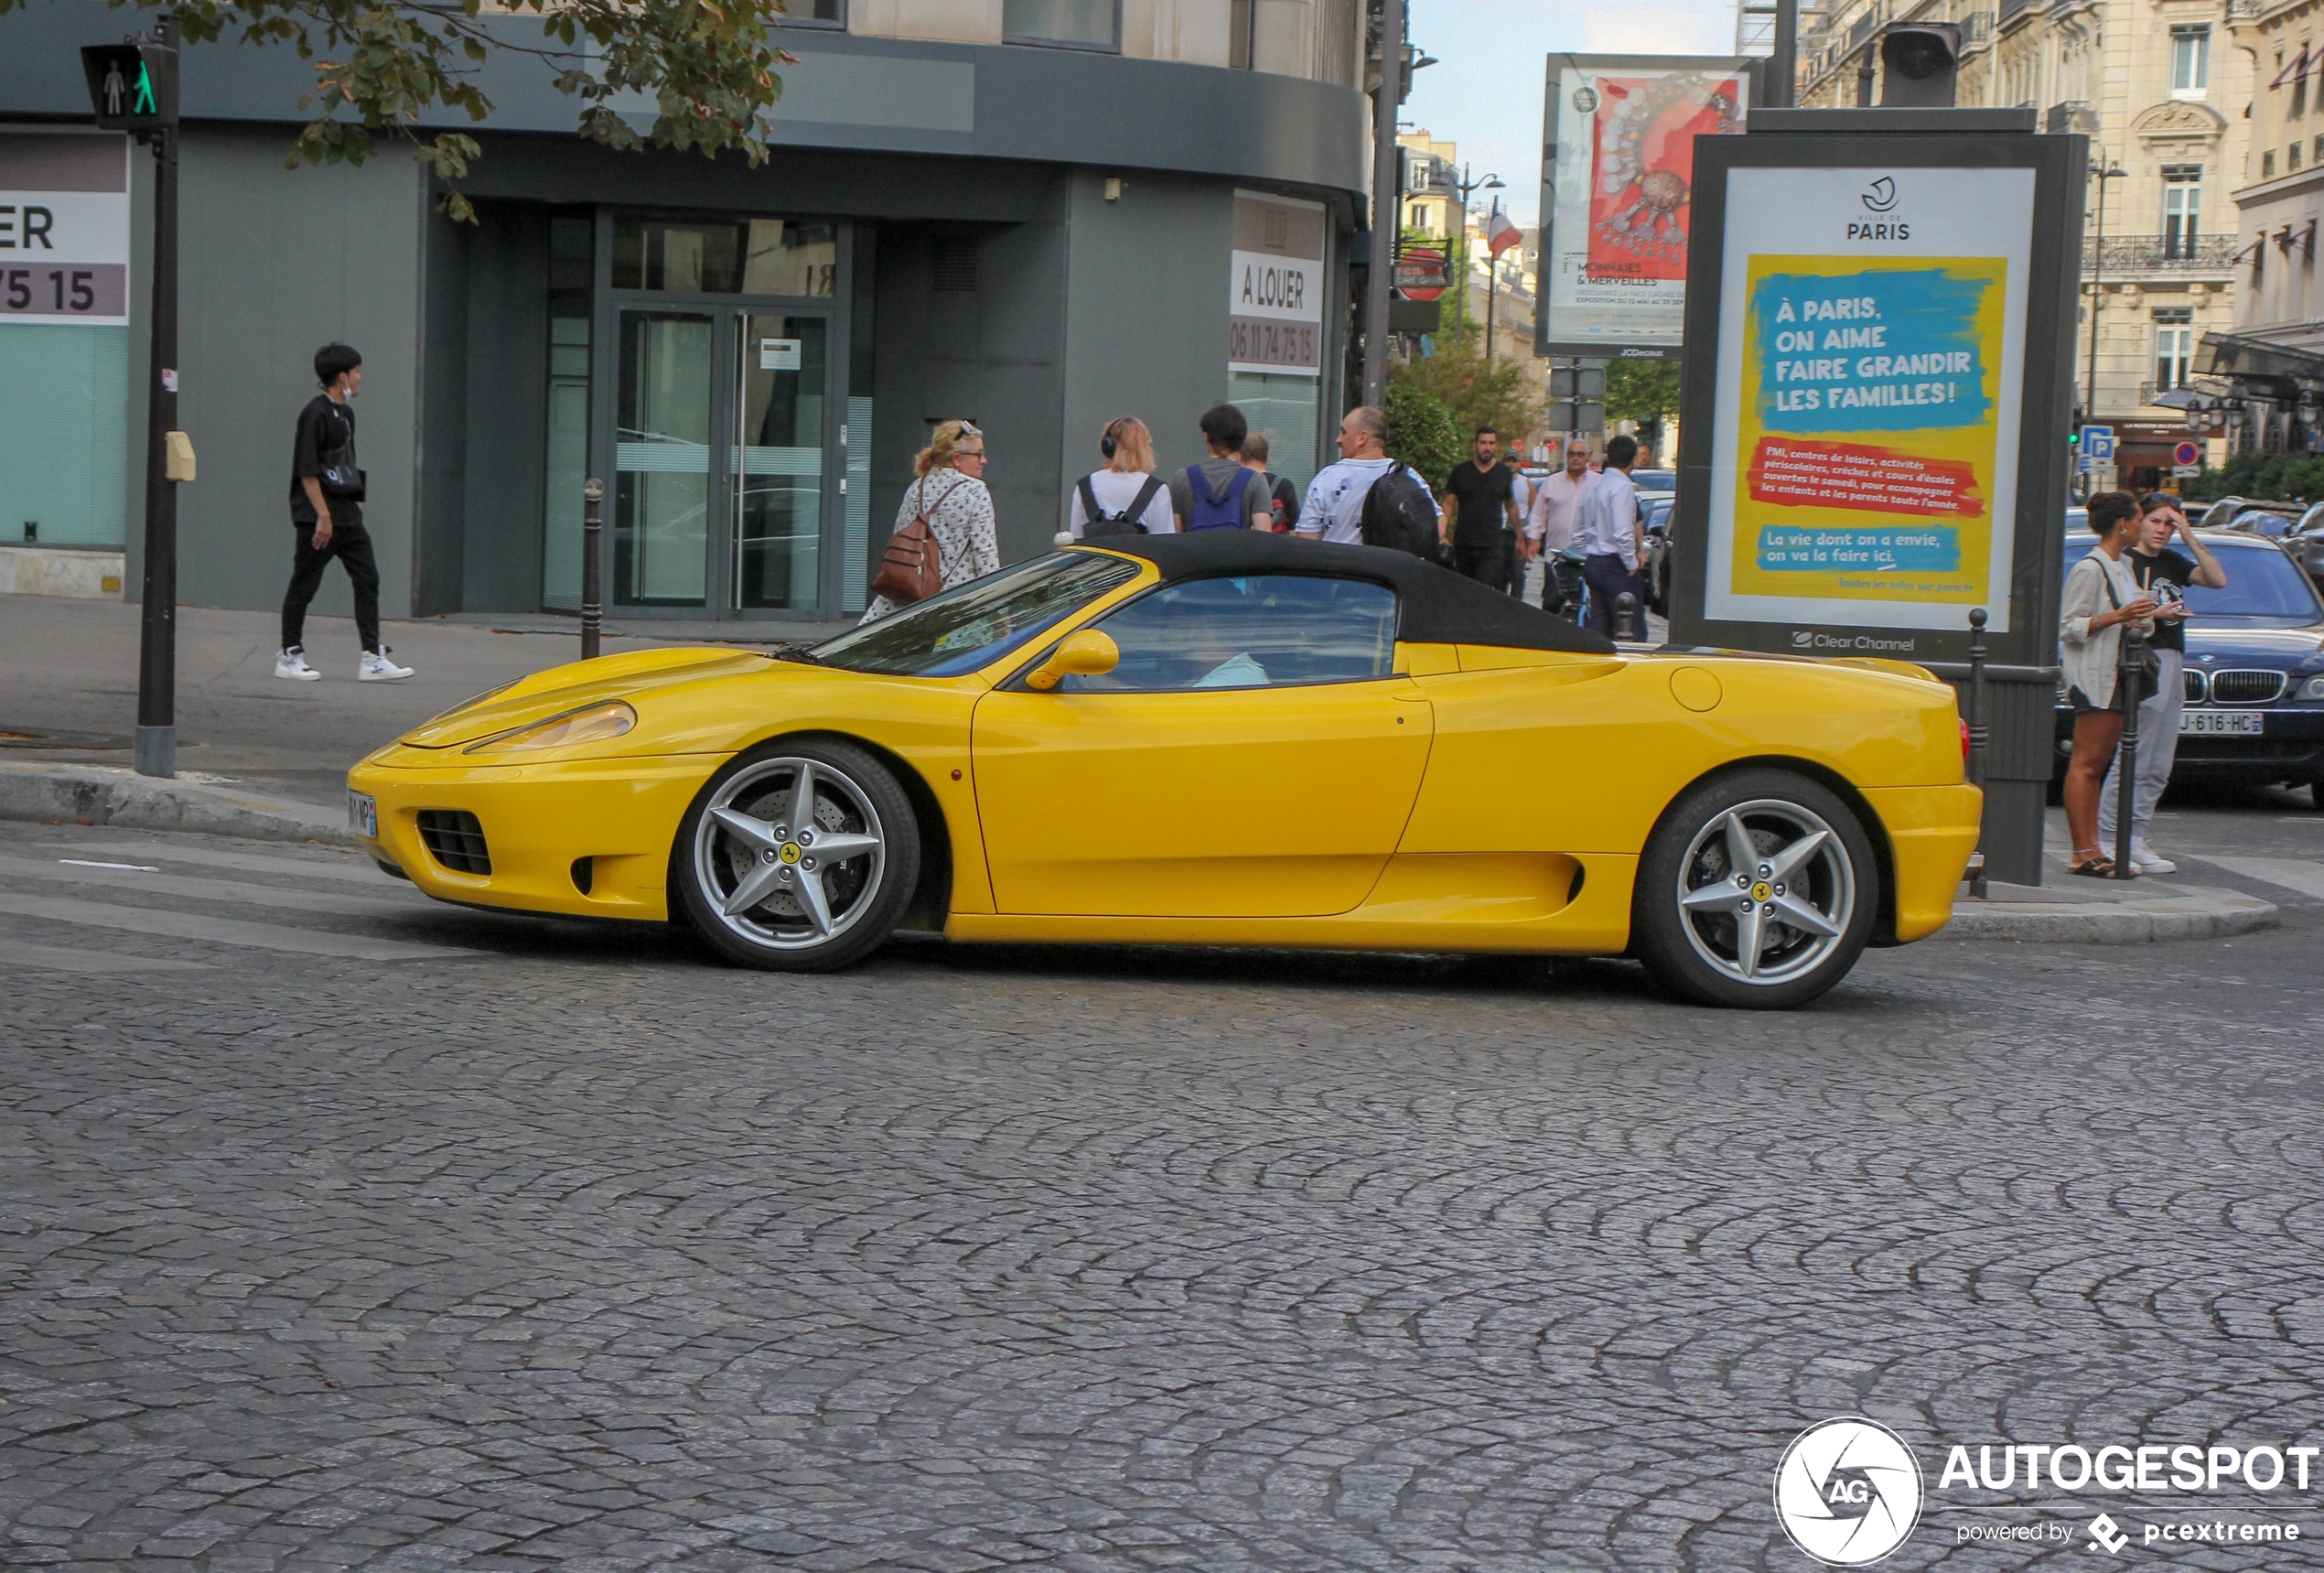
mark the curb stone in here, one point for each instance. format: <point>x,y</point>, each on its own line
<point>86,794</point>
<point>2192,913</point>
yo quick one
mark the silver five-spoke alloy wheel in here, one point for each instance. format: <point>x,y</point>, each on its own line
<point>1766,892</point>
<point>790,854</point>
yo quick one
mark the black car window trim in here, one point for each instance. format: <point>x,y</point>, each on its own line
<point>1014,683</point>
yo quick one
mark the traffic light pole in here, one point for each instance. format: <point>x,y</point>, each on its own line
<point>157,747</point>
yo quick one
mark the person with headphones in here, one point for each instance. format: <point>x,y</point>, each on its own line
<point>1126,498</point>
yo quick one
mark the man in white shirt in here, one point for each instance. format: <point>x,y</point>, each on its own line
<point>1549,523</point>
<point>1333,509</point>
<point>1605,535</point>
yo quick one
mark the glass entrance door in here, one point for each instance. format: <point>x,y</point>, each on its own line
<point>662,458</point>
<point>721,417</point>
<point>781,372</point>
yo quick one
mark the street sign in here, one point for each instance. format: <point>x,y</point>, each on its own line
<point>131,87</point>
<point>2187,456</point>
<point>1423,273</point>
<point>1578,382</point>
<point>2185,471</point>
<point>2097,443</point>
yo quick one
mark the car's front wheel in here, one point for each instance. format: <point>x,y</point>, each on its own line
<point>1757,892</point>
<point>798,856</point>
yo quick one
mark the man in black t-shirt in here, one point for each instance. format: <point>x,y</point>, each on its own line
<point>327,515</point>
<point>2166,574</point>
<point>1479,515</point>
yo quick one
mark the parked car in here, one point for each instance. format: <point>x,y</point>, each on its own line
<point>1652,480</point>
<point>2306,543</point>
<point>2254,675</point>
<point>2077,523</point>
<point>1655,560</point>
<point>2220,512</point>
<point>2272,520</point>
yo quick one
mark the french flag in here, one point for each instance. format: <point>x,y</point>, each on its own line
<point>1499,233</point>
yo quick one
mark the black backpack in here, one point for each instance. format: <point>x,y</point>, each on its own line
<point>1097,523</point>
<point>1398,515</point>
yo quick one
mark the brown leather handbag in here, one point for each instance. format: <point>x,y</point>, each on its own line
<point>912,569</point>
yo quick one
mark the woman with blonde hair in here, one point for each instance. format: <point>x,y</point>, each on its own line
<point>950,494</point>
<point>1126,498</point>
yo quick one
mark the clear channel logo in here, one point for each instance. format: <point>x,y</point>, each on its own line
<point>1847,1492</point>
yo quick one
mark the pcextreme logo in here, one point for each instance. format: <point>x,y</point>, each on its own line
<point>1847,1492</point>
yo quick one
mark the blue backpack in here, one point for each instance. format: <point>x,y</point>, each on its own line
<point>1212,512</point>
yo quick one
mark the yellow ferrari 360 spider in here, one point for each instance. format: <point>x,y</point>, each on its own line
<point>1231,737</point>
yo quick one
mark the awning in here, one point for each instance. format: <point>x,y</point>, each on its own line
<point>2295,69</point>
<point>2267,368</point>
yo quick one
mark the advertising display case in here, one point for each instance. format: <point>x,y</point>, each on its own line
<point>1619,133</point>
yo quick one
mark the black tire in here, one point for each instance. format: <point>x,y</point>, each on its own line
<point>1695,948</point>
<point>740,831</point>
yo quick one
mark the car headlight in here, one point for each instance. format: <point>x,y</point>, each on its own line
<point>2313,688</point>
<point>591,724</point>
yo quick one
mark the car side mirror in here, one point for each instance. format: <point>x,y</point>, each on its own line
<point>1083,653</point>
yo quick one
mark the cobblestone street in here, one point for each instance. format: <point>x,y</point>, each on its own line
<point>552,1246</point>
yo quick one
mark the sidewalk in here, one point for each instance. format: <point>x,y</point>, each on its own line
<point>69,686</point>
<point>2069,910</point>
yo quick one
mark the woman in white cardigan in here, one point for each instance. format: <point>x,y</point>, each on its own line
<point>2102,594</point>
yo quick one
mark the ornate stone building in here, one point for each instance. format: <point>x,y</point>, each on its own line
<point>2273,363</point>
<point>2161,88</point>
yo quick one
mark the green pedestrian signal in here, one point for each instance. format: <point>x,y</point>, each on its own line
<point>131,86</point>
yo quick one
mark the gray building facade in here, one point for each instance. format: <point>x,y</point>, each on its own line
<point>1035,239</point>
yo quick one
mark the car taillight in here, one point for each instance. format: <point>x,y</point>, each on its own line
<point>1965,740</point>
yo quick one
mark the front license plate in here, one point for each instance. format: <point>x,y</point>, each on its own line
<point>2221,723</point>
<point>363,814</point>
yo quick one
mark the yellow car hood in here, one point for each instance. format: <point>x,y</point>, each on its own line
<point>570,687</point>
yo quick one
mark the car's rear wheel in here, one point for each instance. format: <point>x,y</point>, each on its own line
<point>798,856</point>
<point>1757,892</point>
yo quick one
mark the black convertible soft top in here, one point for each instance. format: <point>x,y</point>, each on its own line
<point>1434,606</point>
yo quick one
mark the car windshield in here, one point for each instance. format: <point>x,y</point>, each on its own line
<point>2264,524</point>
<point>977,622</point>
<point>2264,587</point>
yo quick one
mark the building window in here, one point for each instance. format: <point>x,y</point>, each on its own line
<point>64,434</point>
<point>2174,345</point>
<point>2267,166</point>
<point>1063,23</point>
<point>750,256</point>
<point>2292,158</point>
<point>572,279</point>
<point>2191,61</point>
<point>815,14</point>
<point>2182,205</point>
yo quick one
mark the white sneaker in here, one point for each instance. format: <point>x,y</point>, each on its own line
<point>2150,861</point>
<point>292,663</point>
<point>375,667</point>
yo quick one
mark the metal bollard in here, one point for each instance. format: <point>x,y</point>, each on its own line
<point>1625,617</point>
<point>2134,661</point>
<point>1979,735</point>
<point>592,566</point>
